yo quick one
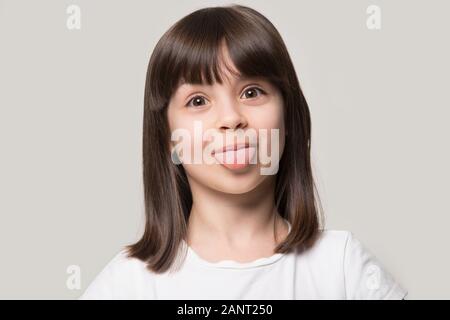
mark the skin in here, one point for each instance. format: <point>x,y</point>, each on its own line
<point>233,213</point>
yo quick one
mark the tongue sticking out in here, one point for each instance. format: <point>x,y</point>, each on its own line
<point>235,159</point>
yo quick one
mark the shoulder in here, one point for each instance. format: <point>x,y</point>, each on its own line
<point>364,276</point>
<point>121,278</point>
<point>332,237</point>
<point>330,244</point>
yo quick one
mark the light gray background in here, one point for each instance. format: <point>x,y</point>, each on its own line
<point>71,121</point>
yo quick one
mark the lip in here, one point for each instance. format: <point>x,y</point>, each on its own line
<point>236,156</point>
<point>233,147</point>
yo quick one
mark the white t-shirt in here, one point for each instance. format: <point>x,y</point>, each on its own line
<point>338,266</point>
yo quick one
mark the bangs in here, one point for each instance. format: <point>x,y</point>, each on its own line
<point>192,51</point>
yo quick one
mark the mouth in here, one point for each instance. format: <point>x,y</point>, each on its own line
<point>236,156</point>
<point>231,147</point>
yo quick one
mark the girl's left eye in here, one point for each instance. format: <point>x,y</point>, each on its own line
<point>251,91</point>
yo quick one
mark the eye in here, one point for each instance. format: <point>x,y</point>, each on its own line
<point>195,101</point>
<point>252,92</point>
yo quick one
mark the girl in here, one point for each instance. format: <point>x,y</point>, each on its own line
<point>233,228</point>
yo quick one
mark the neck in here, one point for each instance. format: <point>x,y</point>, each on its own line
<point>234,220</point>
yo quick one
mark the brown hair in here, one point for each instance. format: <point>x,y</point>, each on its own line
<point>190,51</point>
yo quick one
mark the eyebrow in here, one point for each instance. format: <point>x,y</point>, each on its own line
<point>239,79</point>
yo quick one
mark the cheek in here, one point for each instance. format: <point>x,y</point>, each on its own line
<point>174,119</point>
<point>188,136</point>
<point>271,119</point>
<point>180,125</point>
<point>269,116</point>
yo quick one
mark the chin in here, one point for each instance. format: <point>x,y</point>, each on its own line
<point>233,183</point>
<point>228,181</point>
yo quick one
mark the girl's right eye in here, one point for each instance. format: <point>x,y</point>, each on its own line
<point>195,101</point>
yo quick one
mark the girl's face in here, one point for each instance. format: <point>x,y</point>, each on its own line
<point>227,115</point>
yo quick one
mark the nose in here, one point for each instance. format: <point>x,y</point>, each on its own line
<point>231,117</point>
